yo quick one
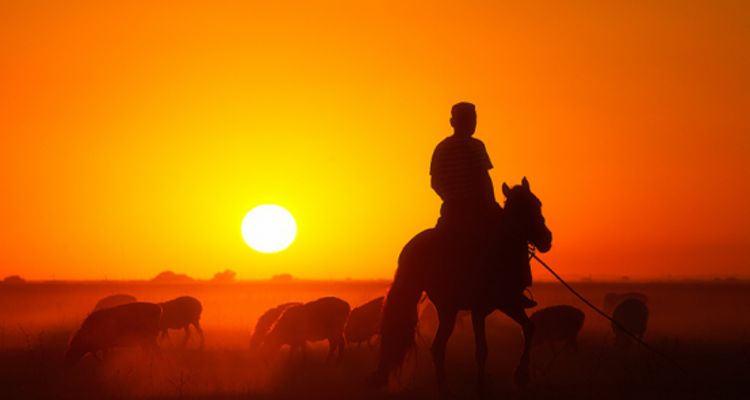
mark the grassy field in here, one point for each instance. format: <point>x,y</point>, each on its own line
<point>702,326</point>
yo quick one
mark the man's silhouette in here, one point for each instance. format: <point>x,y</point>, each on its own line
<point>460,176</point>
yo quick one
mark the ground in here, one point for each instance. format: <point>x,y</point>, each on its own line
<point>700,326</point>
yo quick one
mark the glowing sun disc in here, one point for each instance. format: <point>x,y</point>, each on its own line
<point>269,228</point>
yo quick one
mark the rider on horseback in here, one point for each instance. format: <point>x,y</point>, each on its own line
<point>460,176</point>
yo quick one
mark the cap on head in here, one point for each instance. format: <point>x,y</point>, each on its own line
<point>463,109</point>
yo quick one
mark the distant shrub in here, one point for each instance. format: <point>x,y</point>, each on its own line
<point>282,278</point>
<point>171,277</point>
<point>14,279</point>
<point>224,277</point>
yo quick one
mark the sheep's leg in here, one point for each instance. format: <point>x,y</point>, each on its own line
<point>155,349</point>
<point>332,343</point>
<point>292,350</point>
<point>165,334</point>
<point>198,328</point>
<point>187,336</point>
<point>342,344</point>
<point>303,348</point>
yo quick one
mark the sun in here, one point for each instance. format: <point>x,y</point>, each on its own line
<point>269,228</point>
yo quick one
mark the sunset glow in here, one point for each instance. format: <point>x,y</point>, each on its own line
<point>119,118</point>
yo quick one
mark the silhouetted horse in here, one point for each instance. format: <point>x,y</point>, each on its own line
<point>457,278</point>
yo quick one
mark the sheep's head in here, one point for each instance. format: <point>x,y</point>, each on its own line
<point>74,354</point>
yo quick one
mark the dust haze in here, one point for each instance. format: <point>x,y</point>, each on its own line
<point>703,326</point>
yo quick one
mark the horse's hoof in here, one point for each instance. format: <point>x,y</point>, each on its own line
<point>522,377</point>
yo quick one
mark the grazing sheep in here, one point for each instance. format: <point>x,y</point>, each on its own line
<point>123,325</point>
<point>632,314</point>
<point>611,300</point>
<point>557,323</point>
<point>114,300</point>
<point>364,322</point>
<point>265,322</point>
<point>322,319</point>
<point>179,314</point>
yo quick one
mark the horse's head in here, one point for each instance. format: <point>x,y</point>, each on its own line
<point>525,210</point>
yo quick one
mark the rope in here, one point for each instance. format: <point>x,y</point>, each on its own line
<point>532,254</point>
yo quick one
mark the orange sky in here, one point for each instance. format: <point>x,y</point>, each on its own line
<point>137,134</point>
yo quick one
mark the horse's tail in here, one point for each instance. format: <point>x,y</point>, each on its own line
<point>398,326</point>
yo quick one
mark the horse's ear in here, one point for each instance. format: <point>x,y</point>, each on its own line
<point>525,183</point>
<point>506,189</point>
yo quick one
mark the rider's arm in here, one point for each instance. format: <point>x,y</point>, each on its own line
<point>437,186</point>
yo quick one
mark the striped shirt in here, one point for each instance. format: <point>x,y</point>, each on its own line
<point>459,166</point>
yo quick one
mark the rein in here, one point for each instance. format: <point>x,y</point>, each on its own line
<point>532,254</point>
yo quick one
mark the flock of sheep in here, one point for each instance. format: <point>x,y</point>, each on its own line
<point>120,320</point>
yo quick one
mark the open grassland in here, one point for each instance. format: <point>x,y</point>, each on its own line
<point>704,327</point>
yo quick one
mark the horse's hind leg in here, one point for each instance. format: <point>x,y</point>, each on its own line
<point>480,340</point>
<point>445,329</point>
<point>522,376</point>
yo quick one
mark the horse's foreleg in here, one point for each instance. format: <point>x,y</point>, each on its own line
<point>445,329</point>
<point>522,376</point>
<point>480,340</point>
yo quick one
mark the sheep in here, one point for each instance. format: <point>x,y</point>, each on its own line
<point>611,300</point>
<point>114,300</point>
<point>265,322</point>
<point>322,319</point>
<point>557,323</point>
<point>123,325</point>
<point>179,314</point>
<point>632,314</point>
<point>364,322</point>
